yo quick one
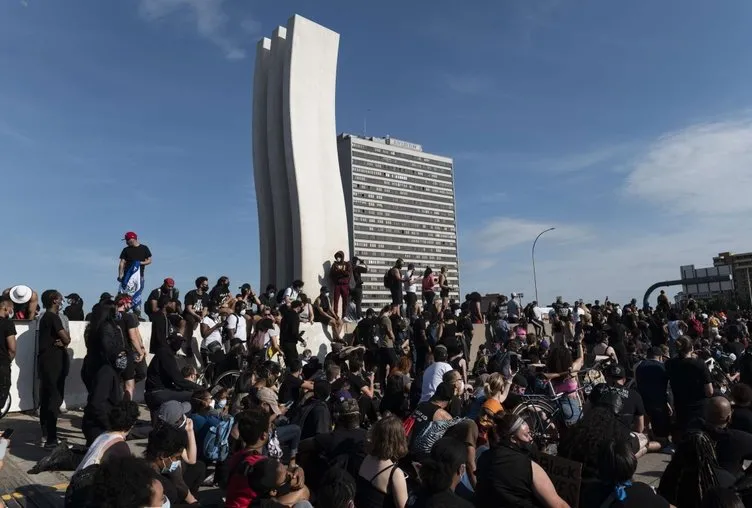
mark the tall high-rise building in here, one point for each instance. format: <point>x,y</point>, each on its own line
<point>400,204</point>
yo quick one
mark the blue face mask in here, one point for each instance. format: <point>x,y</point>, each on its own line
<point>174,465</point>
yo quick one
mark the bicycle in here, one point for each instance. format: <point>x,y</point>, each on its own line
<point>545,413</point>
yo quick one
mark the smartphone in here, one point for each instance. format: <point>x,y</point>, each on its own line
<point>7,433</point>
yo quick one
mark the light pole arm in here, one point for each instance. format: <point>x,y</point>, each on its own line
<point>535,277</point>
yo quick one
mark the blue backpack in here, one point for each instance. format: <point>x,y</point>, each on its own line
<point>216,443</point>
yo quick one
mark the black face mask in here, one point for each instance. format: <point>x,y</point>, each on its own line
<point>205,288</point>
<point>175,345</point>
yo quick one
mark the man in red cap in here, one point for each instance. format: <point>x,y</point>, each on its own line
<point>134,251</point>
<point>166,289</point>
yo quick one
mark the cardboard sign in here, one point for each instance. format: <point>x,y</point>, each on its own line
<point>566,476</point>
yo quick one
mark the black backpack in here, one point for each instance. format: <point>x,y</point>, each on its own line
<point>388,279</point>
<point>280,296</point>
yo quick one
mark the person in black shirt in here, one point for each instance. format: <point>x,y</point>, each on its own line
<point>75,309</point>
<point>651,381</point>
<point>290,389</point>
<point>420,340</point>
<point>53,365</point>
<point>289,330</point>
<point>7,347</point>
<point>690,381</point>
<point>134,345</point>
<point>617,465</point>
<point>356,294</point>
<point>741,419</point>
<point>196,305</point>
<point>161,327</point>
<point>167,288</point>
<point>441,473</point>
<point>315,417</point>
<point>221,296</point>
<point>732,446</point>
<point>134,251</point>
<point>164,381</point>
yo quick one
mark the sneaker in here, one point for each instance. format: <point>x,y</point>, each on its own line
<point>208,481</point>
<point>51,445</point>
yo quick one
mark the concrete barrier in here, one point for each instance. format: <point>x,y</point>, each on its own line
<point>24,368</point>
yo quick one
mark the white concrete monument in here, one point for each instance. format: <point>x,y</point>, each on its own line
<point>301,206</point>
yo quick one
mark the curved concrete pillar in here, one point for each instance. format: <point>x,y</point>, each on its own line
<point>283,239</point>
<point>261,177</point>
<point>319,217</point>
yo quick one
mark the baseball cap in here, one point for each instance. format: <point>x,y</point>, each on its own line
<point>130,235</point>
<point>520,380</point>
<point>267,396</point>
<point>348,407</point>
<point>105,296</point>
<point>170,282</point>
<point>173,413</point>
<point>245,286</point>
<point>616,371</point>
<point>73,296</point>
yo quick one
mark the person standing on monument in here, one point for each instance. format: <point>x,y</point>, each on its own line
<point>339,274</point>
<point>356,294</point>
<point>133,259</point>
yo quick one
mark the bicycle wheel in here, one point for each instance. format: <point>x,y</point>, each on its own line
<point>227,380</point>
<point>540,417</point>
<point>6,407</point>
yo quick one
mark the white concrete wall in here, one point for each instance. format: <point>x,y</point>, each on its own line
<point>319,216</point>
<point>264,204</point>
<point>24,375</point>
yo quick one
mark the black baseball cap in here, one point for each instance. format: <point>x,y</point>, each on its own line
<point>245,286</point>
<point>105,296</point>
<point>616,371</point>
<point>73,296</point>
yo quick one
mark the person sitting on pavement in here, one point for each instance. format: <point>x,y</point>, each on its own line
<point>25,302</point>
<point>277,486</point>
<point>440,474</point>
<point>253,427</point>
<point>205,416</point>
<point>344,446</point>
<point>110,444</point>
<point>617,464</point>
<point>164,450</point>
<point>164,381</point>
<point>632,412</point>
<point>732,446</point>
<point>283,435</point>
<point>124,482</point>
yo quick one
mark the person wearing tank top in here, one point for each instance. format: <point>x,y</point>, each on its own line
<point>380,482</point>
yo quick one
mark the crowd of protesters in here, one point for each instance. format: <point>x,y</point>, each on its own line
<point>398,413</point>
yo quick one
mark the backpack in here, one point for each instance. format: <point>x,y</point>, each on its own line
<point>216,446</point>
<point>111,338</point>
<point>280,296</point>
<point>79,491</point>
<point>388,279</point>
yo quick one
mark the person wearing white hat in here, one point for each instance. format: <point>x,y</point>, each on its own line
<point>25,301</point>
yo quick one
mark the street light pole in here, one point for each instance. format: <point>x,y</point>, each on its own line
<point>535,278</point>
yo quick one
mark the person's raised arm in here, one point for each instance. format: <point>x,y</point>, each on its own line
<point>190,454</point>
<point>580,361</point>
<point>544,489</point>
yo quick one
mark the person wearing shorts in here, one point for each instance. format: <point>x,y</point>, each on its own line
<point>135,371</point>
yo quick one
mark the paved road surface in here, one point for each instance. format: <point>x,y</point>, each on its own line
<point>46,490</point>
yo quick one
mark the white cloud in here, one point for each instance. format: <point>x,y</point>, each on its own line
<point>501,233</point>
<point>699,178</point>
<point>703,169</point>
<point>209,16</point>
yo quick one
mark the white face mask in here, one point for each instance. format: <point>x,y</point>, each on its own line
<point>165,503</point>
<point>220,404</point>
<point>242,312</point>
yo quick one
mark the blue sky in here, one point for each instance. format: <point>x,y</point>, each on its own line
<point>626,125</point>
